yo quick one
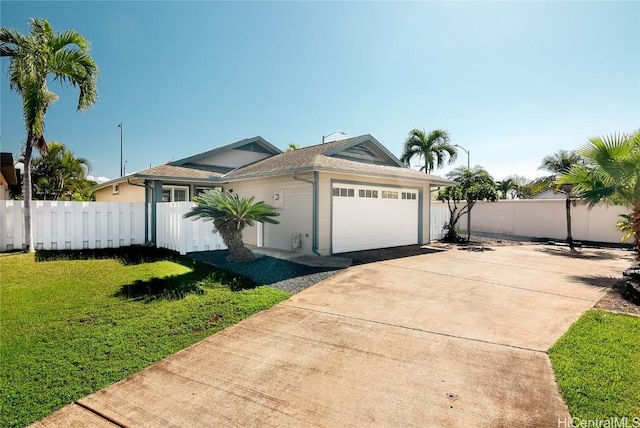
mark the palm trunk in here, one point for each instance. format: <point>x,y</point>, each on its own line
<point>635,221</point>
<point>568,209</point>
<point>232,238</point>
<point>27,189</point>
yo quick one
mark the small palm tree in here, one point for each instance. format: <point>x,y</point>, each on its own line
<point>611,174</point>
<point>560,163</point>
<point>34,58</point>
<point>59,173</point>
<point>433,148</point>
<point>230,214</point>
<point>507,187</point>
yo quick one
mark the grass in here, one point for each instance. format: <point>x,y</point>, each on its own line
<point>72,323</point>
<point>597,366</point>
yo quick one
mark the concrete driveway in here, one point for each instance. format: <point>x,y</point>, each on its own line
<point>450,339</point>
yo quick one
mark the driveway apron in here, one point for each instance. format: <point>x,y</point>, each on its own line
<point>450,339</point>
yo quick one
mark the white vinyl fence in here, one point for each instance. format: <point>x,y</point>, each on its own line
<point>61,225</point>
<point>544,218</point>
<point>184,235</point>
<point>439,218</point>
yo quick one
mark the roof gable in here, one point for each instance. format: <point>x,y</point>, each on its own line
<point>365,149</point>
<point>362,155</point>
<point>231,156</point>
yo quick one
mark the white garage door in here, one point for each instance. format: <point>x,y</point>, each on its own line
<point>366,217</point>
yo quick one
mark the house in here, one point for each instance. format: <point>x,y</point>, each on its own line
<point>8,176</point>
<point>341,196</point>
<point>550,194</point>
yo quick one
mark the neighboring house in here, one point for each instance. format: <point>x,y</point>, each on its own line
<point>549,194</point>
<point>8,176</point>
<point>341,196</point>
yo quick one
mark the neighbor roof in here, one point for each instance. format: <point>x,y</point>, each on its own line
<point>166,172</point>
<point>270,148</point>
<point>7,168</point>
<point>321,158</point>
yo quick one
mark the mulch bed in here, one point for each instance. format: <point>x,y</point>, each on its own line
<point>264,270</point>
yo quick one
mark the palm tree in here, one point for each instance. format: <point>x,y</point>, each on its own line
<point>433,148</point>
<point>507,187</point>
<point>560,163</point>
<point>611,174</point>
<point>230,214</point>
<point>34,58</point>
<point>59,172</point>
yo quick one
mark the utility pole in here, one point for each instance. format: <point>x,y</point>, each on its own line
<point>121,165</point>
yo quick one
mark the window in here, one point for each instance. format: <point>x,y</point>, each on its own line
<point>201,190</point>
<point>368,193</point>
<point>408,195</point>
<point>343,192</point>
<point>389,195</point>
<point>175,193</point>
<point>116,189</point>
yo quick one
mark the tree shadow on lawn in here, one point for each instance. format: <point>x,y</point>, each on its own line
<point>173,287</point>
<point>133,255</point>
<point>177,287</point>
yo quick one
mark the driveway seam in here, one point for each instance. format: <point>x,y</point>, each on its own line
<point>492,283</point>
<point>99,414</point>
<point>414,328</point>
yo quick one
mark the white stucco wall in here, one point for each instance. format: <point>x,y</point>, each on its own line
<point>545,218</point>
<point>295,210</point>
<point>127,193</point>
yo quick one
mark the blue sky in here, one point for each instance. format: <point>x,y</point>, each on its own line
<point>511,81</point>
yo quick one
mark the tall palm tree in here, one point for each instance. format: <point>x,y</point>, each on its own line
<point>230,214</point>
<point>433,147</point>
<point>557,164</point>
<point>34,58</point>
<point>611,174</point>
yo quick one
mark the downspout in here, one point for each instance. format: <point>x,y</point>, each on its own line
<point>314,235</point>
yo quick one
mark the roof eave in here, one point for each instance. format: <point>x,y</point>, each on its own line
<point>433,180</point>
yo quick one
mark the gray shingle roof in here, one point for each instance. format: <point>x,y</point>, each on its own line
<point>176,172</point>
<point>313,159</point>
<point>164,172</point>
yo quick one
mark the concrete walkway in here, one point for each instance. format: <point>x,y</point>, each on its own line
<point>450,339</point>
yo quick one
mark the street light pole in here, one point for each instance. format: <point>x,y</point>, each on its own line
<point>330,134</point>
<point>121,165</point>
<point>468,152</point>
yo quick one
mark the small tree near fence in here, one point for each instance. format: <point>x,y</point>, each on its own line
<point>474,185</point>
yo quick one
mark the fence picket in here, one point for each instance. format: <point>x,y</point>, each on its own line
<point>59,225</point>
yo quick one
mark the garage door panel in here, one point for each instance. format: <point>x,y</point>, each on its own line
<point>361,223</point>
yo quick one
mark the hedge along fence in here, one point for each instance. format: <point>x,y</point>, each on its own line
<point>546,218</point>
<point>58,225</point>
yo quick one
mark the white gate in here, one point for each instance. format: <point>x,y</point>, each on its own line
<point>439,219</point>
<point>184,235</point>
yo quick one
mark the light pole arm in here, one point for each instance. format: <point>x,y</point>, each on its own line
<point>331,133</point>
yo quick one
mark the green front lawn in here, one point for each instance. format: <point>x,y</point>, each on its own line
<point>70,327</point>
<point>597,366</point>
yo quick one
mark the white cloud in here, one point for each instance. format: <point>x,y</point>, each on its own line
<point>98,180</point>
